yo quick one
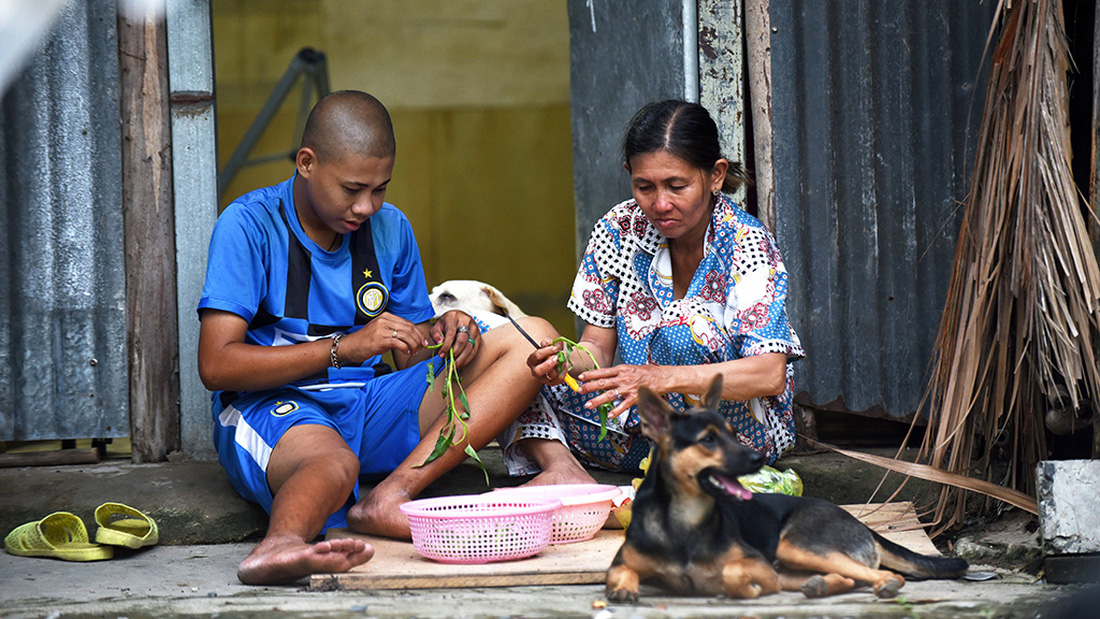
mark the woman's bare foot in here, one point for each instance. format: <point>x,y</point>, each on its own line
<point>562,472</point>
<point>284,560</point>
<point>559,466</point>
<point>378,514</point>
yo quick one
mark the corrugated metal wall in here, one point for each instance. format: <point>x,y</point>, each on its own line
<point>63,368</point>
<point>623,54</point>
<point>876,107</point>
<point>872,104</point>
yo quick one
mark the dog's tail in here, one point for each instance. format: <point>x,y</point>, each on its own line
<point>916,565</point>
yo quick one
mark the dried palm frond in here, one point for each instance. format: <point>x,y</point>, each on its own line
<point>923,471</point>
<point>1020,321</point>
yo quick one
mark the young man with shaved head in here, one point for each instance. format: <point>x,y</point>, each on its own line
<point>308,284</point>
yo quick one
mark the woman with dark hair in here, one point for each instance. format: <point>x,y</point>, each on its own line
<point>682,284</point>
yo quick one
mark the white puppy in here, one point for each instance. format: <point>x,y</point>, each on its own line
<point>473,297</point>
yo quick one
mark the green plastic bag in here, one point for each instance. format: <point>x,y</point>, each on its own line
<point>770,480</point>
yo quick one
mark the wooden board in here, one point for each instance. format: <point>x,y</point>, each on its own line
<point>397,565</point>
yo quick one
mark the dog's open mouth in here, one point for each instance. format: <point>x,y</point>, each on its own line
<point>728,485</point>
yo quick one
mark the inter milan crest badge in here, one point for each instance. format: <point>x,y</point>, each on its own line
<point>284,408</point>
<point>371,298</point>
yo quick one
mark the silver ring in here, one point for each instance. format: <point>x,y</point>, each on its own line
<point>463,329</point>
<point>394,334</point>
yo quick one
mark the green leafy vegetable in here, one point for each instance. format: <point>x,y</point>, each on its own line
<point>565,365</point>
<point>456,419</point>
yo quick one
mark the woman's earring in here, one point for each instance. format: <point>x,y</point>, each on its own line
<point>716,193</point>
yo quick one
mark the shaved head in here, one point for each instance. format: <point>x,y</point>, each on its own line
<point>349,122</point>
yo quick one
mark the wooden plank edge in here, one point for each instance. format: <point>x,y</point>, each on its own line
<point>359,581</point>
<point>88,455</point>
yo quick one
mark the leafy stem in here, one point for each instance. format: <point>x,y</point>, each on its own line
<point>565,364</point>
<point>456,418</point>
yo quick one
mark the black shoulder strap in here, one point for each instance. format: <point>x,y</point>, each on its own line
<point>371,295</point>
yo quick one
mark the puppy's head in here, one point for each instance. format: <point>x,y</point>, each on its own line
<point>697,449</point>
<point>470,295</point>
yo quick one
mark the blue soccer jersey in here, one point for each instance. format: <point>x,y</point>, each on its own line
<point>264,268</point>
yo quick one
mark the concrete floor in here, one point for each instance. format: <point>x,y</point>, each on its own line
<point>200,580</point>
<point>206,530</point>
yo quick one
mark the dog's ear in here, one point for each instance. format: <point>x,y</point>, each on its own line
<point>713,398</point>
<point>655,414</point>
<point>496,299</point>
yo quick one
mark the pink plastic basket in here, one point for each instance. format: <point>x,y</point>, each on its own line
<point>584,509</point>
<point>480,528</point>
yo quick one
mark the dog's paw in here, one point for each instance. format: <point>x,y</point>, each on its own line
<point>815,587</point>
<point>622,596</point>
<point>887,588</point>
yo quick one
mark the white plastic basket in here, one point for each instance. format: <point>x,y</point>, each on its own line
<point>584,509</point>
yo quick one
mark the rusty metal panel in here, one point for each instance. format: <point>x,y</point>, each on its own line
<point>63,365</point>
<point>876,107</point>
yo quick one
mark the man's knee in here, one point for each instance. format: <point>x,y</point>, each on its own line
<point>338,469</point>
<point>314,448</point>
<point>508,340</point>
<point>341,464</point>
<point>347,465</point>
<point>538,327</point>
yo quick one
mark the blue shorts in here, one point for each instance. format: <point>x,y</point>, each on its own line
<point>380,422</point>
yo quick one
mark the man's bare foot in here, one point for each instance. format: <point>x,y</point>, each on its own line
<point>378,514</point>
<point>284,560</point>
<point>562,471</point>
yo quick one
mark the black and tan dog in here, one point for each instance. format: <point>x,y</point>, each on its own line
<point>695,530</point>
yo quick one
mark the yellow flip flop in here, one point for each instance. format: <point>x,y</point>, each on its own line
<point>61,535</point>
<point>122,525</point>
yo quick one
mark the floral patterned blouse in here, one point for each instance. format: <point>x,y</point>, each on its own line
<point>734,307</point>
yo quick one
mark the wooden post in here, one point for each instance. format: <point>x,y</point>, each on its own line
<point>149,229</point>
<point>722,79</point>
<point>758,43</point>
<point>1094,181</point>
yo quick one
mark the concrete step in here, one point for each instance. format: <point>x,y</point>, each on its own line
<point>194,503</point>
